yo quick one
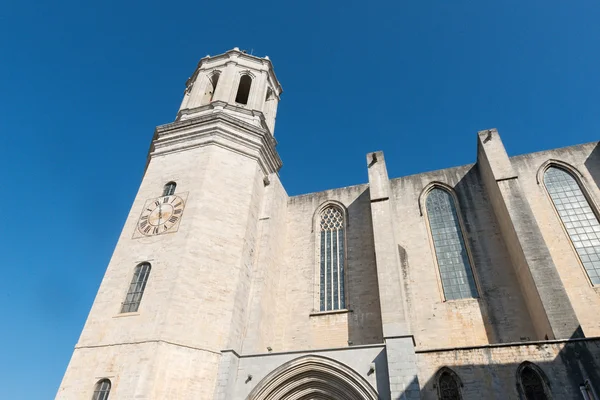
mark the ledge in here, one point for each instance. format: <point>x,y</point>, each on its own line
<point>313,351</point>
<point>319,313</point>
<point>463,300</point>
<point>509,344</point>
<point>127,314</point>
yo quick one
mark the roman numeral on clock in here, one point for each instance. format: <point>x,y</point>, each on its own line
<point>173,219</point>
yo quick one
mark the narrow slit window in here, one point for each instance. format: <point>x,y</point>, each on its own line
<point>332,239</point>
<point>532,384</point>
<point>169,189</point>
<point>243,90</point>
<point>450,250</point>
<point>136,288</point>
<point>102,390</point>
<point>578,217</point>
<point>448,387</point>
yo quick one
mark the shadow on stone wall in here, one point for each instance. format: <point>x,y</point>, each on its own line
<point>500,300</point>
<point>592,163</point>
<point>578,361</point>
<point>364,321</point>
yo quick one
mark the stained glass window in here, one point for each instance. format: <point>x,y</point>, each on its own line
<point>453,261</point>
<point>102,390</point>
<point>533,385</point>
<point>578,218</point>
<point>332,259</point>
<point>448,387</point>
<point>136,288</point>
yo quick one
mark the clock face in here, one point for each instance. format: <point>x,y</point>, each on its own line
<point>160,215</point>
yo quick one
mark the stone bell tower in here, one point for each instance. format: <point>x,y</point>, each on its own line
<point>176,290</point>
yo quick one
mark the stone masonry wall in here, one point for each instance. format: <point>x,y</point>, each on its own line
<point>499,315</point>
<point>297,292</point>
<point>491,372</point>
<point>586,160</point>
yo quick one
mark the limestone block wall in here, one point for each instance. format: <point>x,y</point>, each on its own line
<point>141,370</point>
<point>585,159</point>
<point>490,372</point>
<point>261,326</point>
<point>499,314</point>
<point>297,325</point>
<point>198,289</point>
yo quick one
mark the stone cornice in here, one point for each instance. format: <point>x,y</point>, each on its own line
<point>226,106</point>
<point>219,129</point>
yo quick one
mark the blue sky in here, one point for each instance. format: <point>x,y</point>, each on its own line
<point>85,83</point>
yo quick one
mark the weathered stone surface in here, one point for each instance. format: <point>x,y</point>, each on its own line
<point>232,299</point>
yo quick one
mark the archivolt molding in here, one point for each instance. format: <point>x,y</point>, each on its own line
<point>323,206</point>
<point>246,72</point>
<point>429,188</point>
<point>560,164</point>
<point>313,377</point>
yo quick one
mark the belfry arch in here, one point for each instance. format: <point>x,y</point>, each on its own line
<point>313,378</point>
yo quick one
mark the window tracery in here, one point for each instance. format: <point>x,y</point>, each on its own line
<point>448,387</point>
<point>451,253</point>
<point>531,383</point>
<point>578,218</point>
<point>332,259</point>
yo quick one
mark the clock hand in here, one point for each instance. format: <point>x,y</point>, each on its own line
<point>159,213</point>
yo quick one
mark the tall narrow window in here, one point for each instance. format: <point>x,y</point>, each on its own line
<point>211,87</point>
<point>243,90</point>
<point>102,390</point>
<point>169,189</point>
<point>448,386</point>
<point>578,218</point>
<point>450,250</point>
<point>136,288</point>
<point>332,296</point>
<point>531,384</point>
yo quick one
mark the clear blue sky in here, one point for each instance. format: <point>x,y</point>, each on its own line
<point>83,87</point>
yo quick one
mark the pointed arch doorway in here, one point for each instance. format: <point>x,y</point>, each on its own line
<point>313,378</point>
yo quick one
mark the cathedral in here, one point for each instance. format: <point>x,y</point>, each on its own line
<point>480,281</point>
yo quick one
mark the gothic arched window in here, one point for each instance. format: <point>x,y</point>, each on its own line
<point>530,382</point>
<point>450,250</point>
<point>243,90</point>
<point>448,385</point>
<point>169,189</point>
<point>332,258</point>
<point>102,390</point>
<point>578,217</point>
<point>136,288</point>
